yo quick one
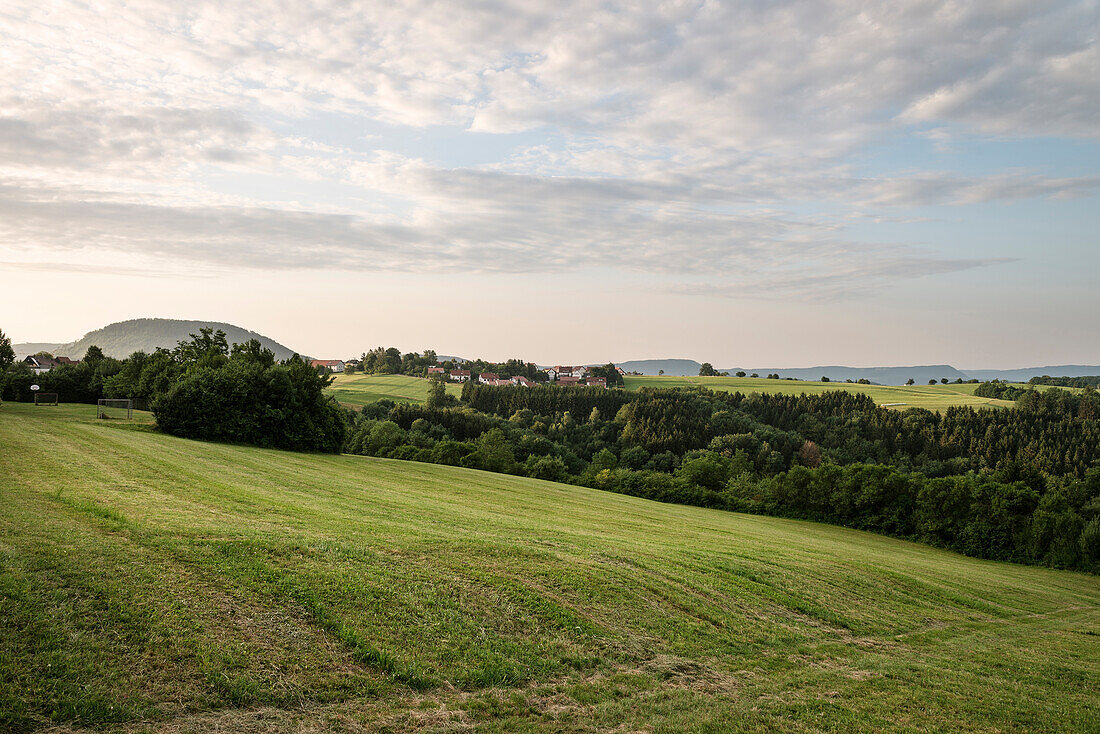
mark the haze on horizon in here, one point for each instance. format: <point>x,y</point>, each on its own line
<point>744,183</point>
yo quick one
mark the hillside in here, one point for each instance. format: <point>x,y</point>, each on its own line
<point>359,389</point>
<point>155,584</point>
<point>920,374</point>
<point>932,397</point>
<point>123,338</point>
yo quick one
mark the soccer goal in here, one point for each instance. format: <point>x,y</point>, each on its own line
<point>115,408</point>
<point>45,398</point>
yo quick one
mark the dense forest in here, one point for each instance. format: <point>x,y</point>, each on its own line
<point>1020,485</point>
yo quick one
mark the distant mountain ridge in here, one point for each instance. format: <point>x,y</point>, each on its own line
<point>920,374</point>
<point>123,338</point>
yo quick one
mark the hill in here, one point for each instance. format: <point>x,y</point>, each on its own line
<point>877,375</point>
<point>1025,374</point>
<point>164,585</point>
<point>920,374</point>
<point>678,367</point>
<point>932,397</point>
<point>123,338</point>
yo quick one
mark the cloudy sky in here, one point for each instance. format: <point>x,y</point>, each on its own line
<point>749,183</point>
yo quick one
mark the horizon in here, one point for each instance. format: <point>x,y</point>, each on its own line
<point>922,188</point>
<point>500,359</point>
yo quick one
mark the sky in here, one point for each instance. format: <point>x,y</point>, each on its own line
<point>746,183</point>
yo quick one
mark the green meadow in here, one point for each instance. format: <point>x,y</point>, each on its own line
<point>356,390</point>
<point>155,584</point>
<point>931,397</point>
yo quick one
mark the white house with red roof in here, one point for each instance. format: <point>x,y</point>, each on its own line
<point>459,375</point>
<point>332,365</point>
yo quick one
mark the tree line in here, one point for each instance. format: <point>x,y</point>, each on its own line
<point>204,389</point>
<point>1021,485</point>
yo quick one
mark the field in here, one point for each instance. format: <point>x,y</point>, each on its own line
<point>154,584</point>
<point>932,397</point>
<point>357,390</point>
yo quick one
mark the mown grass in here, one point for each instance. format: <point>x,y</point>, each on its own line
<point>930,397</point>
<point>357,390</point>
<point>149,583</point>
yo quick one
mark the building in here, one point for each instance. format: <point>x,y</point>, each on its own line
<point>66,360</point>
<point>552,373</point>
<point>568,380</point>
<point>433,371</point>
<point>521,380</point>
<point>460,375</point>
<point>41,364</point>
<point>486,377</point>
<point>578,372</point>
<point>332,365</point>
<point>597,382</point>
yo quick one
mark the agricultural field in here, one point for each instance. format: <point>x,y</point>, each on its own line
<point>155,584</point>
<point>357,390</point>
<point>931,397</point>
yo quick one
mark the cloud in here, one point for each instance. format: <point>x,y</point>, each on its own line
<point>675,139</point>
<point>871,274</point>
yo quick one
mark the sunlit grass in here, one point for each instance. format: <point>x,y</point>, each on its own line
<point>183,586</point>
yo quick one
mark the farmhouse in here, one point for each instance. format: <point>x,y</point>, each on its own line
<point>552,373</point>
<point>41,364</point>
<point>521,380</point>
<point>486,377</point>
<point>460,375</point>
<point>578,372</point>
<point>568,380</point>
<point>332,365</point>
<point>596,382</point>
<point>66,360</point>
<point>433,371</point>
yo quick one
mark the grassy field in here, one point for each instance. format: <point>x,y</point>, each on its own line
<point>358,390</point>
<point>154,584</point>
<point>932,397</point>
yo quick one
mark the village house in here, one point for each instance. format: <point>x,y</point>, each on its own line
<point>486,377</point>
<point>41,364</point>
<point>433,371</point>
<point>521,380</point>
<point>578,372</point>
<point>551,373</point>
<point>567,380</point>
<point>332,365</point>
<point>597,382</point>
<point>460,375</point>
<point>66,360</point>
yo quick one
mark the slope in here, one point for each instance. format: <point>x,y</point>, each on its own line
<point>123,338</point>
<point>149,583</point>
<point>358,389</point>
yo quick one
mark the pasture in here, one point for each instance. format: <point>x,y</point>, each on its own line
<point>356,390</point>
<point>154,584</point>
<point>931,397</point>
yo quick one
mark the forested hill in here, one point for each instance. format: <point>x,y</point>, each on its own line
<point>123,338</point>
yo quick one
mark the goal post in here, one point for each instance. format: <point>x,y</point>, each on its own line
<point>45,398</point>
<point>115,408</point>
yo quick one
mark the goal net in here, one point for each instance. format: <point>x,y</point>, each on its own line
<point>115,408</point>
<point>45,398</point>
